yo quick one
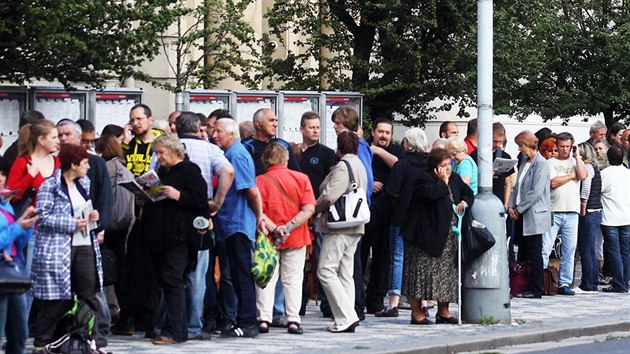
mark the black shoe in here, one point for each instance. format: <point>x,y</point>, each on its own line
<point>614,289</point>
<point>424,321</point>
<point>528,295</point>
<point>343,328</point>
<point>446,320</point>
<point>209,327</point>
<point>372,309</point>
<point>122,330</point>
<point>236,331</point>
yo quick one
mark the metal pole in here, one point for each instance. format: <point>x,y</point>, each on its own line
<point>179,101</point>
<point>485,294</point>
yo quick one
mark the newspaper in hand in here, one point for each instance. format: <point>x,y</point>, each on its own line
<point>146,186</point>
<point>85,214</point>
<point>502,165</point>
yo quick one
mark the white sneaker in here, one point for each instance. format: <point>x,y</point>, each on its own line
<point>579,291</point>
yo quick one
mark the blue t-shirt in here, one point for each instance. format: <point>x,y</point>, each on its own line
<point>236,215</point>
<point>468,168</point>
<point>365,155</point>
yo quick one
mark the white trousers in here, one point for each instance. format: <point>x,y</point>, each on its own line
<point>290,269</point>
<point>335,271</point>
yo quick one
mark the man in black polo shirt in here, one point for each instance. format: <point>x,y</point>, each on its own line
<point>377,230</point>
<point>316,161</point>
<point>266,125</point>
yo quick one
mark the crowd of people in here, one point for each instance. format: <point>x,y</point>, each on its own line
<point>247,181</point>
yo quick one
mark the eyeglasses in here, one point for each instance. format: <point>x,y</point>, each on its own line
<point>552,150</point>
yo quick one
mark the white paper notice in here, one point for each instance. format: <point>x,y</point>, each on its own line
<point>293,111</point>
<point>112,111</point>
<point>206,107</point>
<point>245,109</point>
<point>55,109</point>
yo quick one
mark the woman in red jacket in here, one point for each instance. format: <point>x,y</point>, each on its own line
<point>35,163</point>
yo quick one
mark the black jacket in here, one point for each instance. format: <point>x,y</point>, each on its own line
<point>401,182</point>
<point>428,221</point>
<point>167,222</point>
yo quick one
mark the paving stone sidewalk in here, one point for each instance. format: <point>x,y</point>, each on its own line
<point>535,320</point>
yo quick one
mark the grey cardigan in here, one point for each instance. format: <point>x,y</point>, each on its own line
<point>534,205</point>
<point>334,186</point>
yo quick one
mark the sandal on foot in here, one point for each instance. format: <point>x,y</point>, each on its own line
<point>294,328</point>
<point>263,326</point>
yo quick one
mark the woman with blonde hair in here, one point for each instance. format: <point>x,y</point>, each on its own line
<point>464,165</point>
<point>590,218</point>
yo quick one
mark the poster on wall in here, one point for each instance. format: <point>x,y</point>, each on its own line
<point>12,104</point>
<point>113,108</point>
<point>246,106</point>
<point>206,104</point>
<point>56,106</point>
<point>293,108</point>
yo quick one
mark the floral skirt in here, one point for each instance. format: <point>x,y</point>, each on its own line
<point>431,278</point>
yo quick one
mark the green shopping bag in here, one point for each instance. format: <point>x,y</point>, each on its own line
<point>265,260</point>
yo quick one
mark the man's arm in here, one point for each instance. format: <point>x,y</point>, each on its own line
<point>580,170</point>
<point>389,159</point>
<point>253,197</point>
<point>226,177</point>
<point>562,180</point>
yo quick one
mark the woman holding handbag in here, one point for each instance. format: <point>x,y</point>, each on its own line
<point>336,258</point>
<point>14,235</point>
<point>288,202</point>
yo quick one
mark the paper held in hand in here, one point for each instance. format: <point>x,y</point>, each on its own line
<point>85,214</point>
<point>146,186</point>
<point>502,165</point>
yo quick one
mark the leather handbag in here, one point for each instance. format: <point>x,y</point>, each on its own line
<point>550,281</point>
<point>14,278</point>
<point>520,273</point>
<point>351,209</point>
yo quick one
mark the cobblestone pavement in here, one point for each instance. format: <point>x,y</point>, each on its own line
<point>535,320</point>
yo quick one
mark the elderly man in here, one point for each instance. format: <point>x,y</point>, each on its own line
<point>266,125</point>
<point>102,196</point>
<point>236,225</point>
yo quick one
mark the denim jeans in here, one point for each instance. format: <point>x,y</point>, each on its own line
<point>222,301</point>
<point>397,253</point>
<point>617,254</point>
<point>14,322</point>
<point>278,302</point>
<point>195,291</point>
<point>240,250</point>
<point>565,225</point>
<point>587,231</point>
<point>319,239</point>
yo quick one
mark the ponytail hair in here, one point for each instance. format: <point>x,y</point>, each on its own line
<point>29,135</point>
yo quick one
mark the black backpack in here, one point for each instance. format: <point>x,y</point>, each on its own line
<point>76,342</point>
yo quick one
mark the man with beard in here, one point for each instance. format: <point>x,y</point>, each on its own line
<point>376,236</point>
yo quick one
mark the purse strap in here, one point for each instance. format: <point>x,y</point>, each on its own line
<point>279,187</point>
<point>353,183</point>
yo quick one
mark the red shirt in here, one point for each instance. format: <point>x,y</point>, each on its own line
<point>470,145</point>
<point>19,178</point>
<point>279,208</point>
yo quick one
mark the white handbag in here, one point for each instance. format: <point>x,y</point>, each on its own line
<point>351,209</point>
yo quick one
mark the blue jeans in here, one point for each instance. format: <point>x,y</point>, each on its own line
<point>195,291</point>
<point>278,302</point>
<point>587,230</point>
<point>319,239</point>
<point>220,301</point>
<point>617,254</point>
<point>397,252</point>
<point>14,321</point>
<point>565,225</point>
<point>240,250</point>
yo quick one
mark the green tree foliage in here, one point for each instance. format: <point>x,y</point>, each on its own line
<point>206,44</point>
<point>560,58</point>
<point>402,54</point>
<point>72,41</point>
